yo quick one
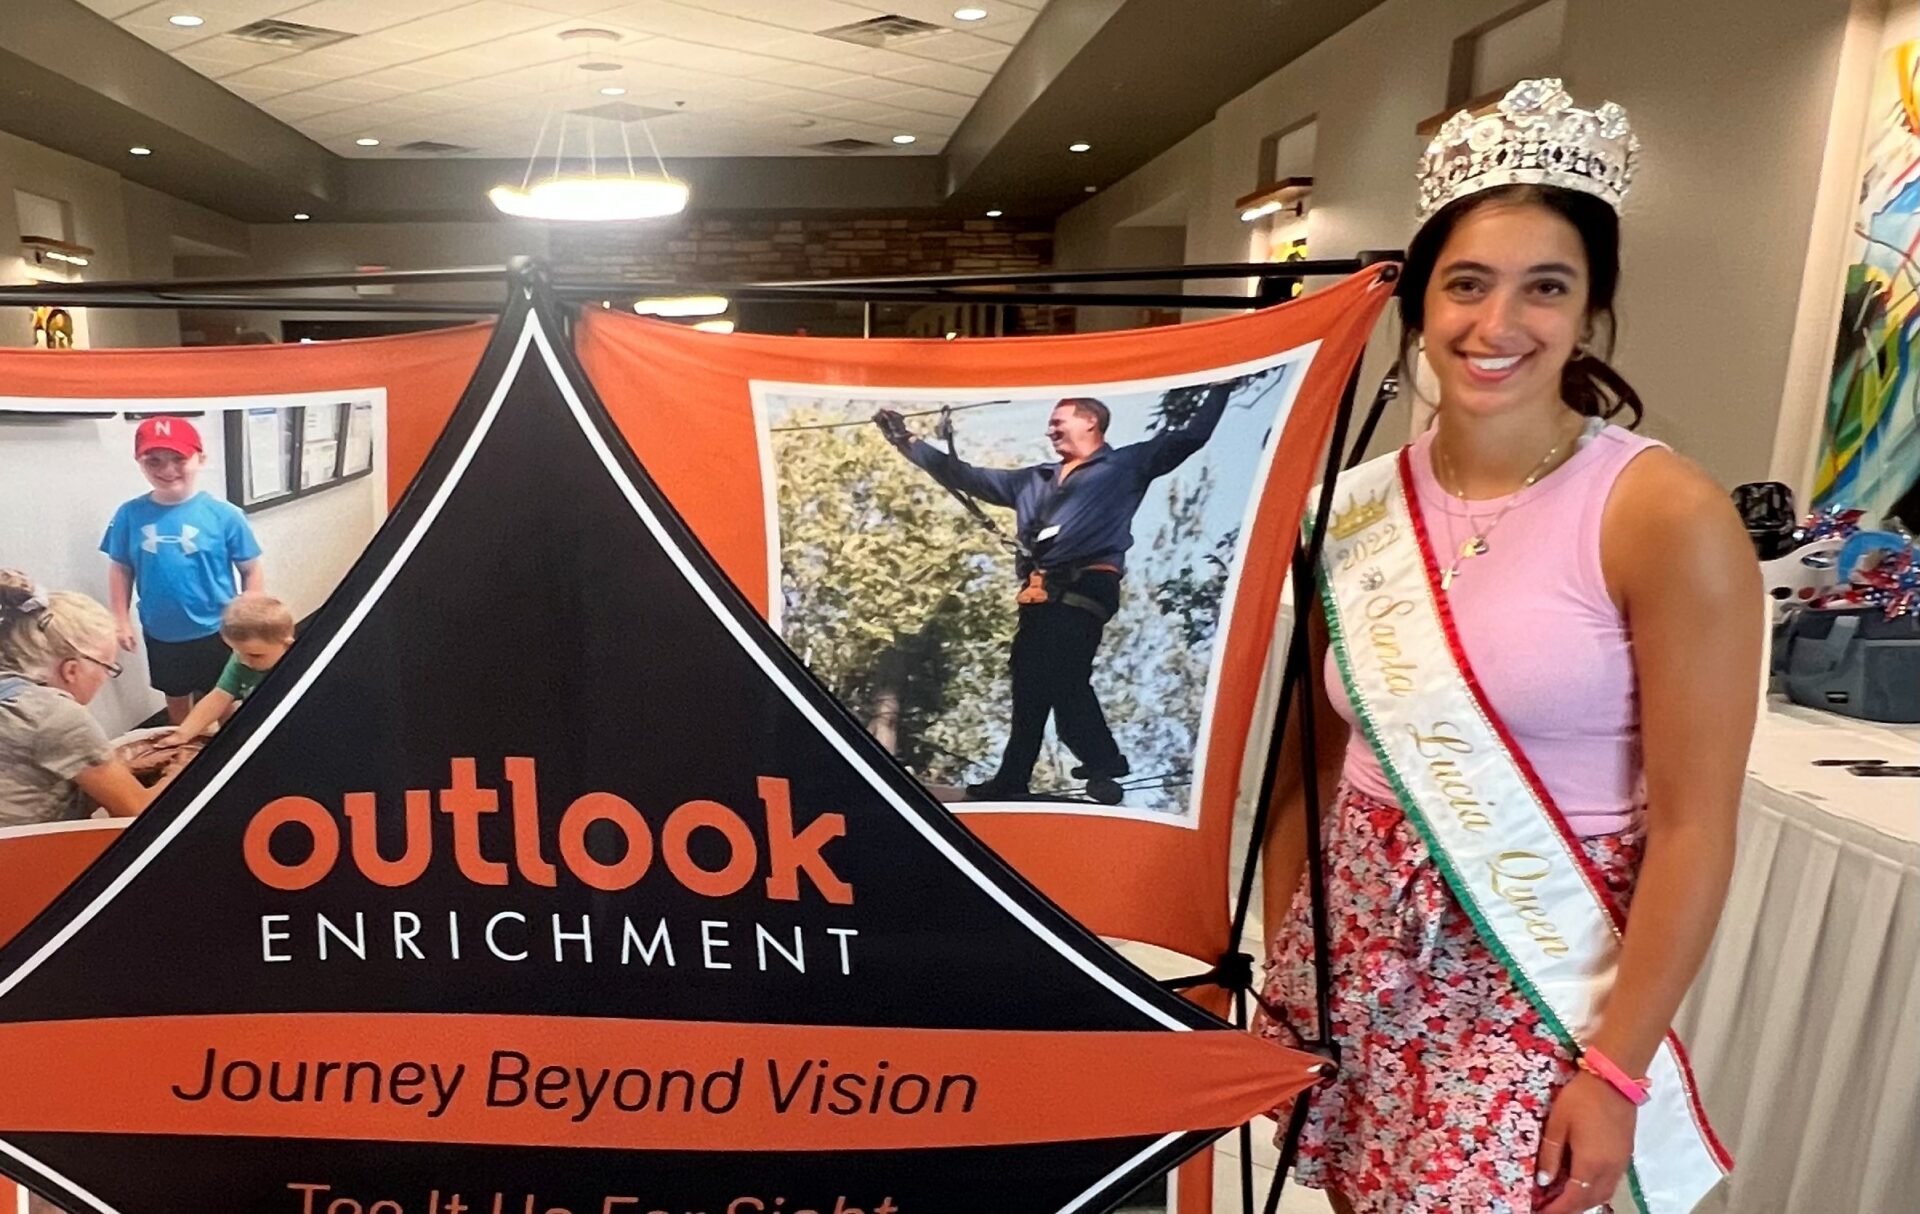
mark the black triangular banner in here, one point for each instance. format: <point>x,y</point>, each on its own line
<point>540,796</point>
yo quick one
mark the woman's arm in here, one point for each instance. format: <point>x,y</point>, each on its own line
<point>1690,585</point>
<point>113,786</point>
<point>1679,563</point>
<point>1284,856</point>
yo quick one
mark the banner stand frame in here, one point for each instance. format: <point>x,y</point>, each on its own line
<point>1274,283</point>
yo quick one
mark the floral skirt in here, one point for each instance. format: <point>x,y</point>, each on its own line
<point>1446,1072</point>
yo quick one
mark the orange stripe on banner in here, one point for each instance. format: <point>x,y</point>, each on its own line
<point>632,1084</point>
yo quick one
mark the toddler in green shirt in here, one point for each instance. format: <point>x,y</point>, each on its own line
<point>258,628</point>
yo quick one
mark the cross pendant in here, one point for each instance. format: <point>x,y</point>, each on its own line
<point>1446,578</point>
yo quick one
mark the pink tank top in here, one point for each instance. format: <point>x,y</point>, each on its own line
<point>1545,639</point>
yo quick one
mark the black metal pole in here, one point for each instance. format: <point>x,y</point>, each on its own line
<point>577,293</point>
<point>1299,674</point>
<point>36,297</point>
<point>1246,1127</point>
<point>284,282</point>
<point>1223,269</point>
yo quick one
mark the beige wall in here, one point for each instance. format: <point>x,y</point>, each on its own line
<point>130,228</point>
<point>1732,101</point>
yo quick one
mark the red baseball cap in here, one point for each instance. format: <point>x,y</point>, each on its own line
<point>174,434</point>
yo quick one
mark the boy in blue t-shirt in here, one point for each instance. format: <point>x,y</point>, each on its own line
<point>179,550</point>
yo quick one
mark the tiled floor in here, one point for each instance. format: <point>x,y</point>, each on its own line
<point>1226,1152</point>
<point>1226,1176</point>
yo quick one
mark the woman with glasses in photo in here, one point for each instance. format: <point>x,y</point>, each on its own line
<point>57,651</point>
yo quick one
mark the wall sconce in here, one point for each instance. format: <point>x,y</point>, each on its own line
<point>1287,194</point>
<point>41,250</point>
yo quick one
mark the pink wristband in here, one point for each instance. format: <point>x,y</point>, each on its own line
<point>1597,1064</point>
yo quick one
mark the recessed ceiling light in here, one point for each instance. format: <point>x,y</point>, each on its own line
<point>302,216</point>
<point>368,141</point>
<point>186,21</point>
<point>969,14</point>
<point>1092,188</point>
<point>995,213</point>
<point>903,139</point>
<point>1079,147</point>
<point>613,90</point>
<point>139,151</point>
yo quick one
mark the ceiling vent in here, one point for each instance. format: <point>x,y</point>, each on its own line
<point>288,35</point>
<point>890,30</point>
<point>433,147</point>
<point>623,111</point>
<point>846,147</point>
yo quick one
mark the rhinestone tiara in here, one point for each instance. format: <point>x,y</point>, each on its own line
<point>1534,137</point>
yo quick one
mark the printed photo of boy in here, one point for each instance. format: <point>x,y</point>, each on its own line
<point>181,555</point>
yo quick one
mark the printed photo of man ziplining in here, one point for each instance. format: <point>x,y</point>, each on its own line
<point>1020,594</point>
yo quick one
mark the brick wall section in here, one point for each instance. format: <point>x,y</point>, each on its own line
<point>748,249</point>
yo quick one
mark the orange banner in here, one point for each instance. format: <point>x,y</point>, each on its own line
<point>633,1084</point>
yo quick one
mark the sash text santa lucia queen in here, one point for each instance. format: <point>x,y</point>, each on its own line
<point>705,847</point>
<point>1512,875</point>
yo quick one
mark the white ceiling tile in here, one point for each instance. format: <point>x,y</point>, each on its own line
<point>933,101</point>
<point>948,76</point>
<point>365,16</point>
<point>737,76</point>
<point>804,75</point>
<point>408,78</point>
<point>277,75</point>
<point>950,48</point>
<point>987,61</point>
<point>113,8</point>
<point>719,60</point>
<point>867,88</point>
<point>218,16</point>
<point>219,57</point>
<point>164,36</point>
<point>478,21</point>
<point>804,15</point>
<point>255,93</point>
<point>355,56</point>
<point>295,107</point>
<point>575,8</point>
<point>713,28</point>
<point>1007,32</point>
<point>873,60</point>
<point>809,48</point>
<point>940,12</point>
<point>354,92</point>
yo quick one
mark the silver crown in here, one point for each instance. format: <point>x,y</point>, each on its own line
<point>1535,137</point>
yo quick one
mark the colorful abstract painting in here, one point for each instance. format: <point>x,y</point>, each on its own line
<point>1870,448</point>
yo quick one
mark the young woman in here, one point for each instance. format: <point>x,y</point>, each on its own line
<point>57,651</point>
<point>1544,638</point>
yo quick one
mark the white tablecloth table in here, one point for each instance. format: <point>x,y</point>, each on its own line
<point>1804,1025</point>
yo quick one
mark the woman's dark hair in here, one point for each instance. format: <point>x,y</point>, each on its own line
<point>1588,385</point>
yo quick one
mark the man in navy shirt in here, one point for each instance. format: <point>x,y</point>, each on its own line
<point>1074,524</point>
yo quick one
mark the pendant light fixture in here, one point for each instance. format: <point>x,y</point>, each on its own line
<point>622,193</point>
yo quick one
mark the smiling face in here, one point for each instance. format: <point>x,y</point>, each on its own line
<point>1074,435</point>
<point>1505,307</point>
<point>173,476</point>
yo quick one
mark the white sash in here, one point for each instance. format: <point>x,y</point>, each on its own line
<point>1494,832</point>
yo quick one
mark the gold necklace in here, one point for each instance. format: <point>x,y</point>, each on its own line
<point>1476,543</point>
